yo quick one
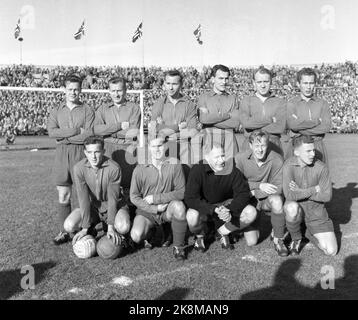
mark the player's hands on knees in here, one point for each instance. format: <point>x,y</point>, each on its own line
<point>162,207</point>
<point>268,188</point>
<point>149,199</point>
<point>113,235</point>
<point>223,213</point>
<point>79,235</point>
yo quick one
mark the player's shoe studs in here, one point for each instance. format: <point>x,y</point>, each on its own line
<point>199,244</point>
<point>61,238</point>
<point>280,247</point>
<point>147,245</point>
<point>295,247</point>
<point>179,253</point>
<point>225,243</point>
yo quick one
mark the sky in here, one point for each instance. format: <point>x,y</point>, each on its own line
<point>234,32</point>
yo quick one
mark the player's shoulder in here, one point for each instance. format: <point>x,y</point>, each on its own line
<point>56,107</point>
<point>173,161</point>
<point>87,107</point>
<point>291,161</point>
<point>80,165</point>
<point>205,95</point>
<point>103,107</point>
<point>320,165</point>
<point>246,98</point>
<point>320,100</point>
<point>241,156</point>
<point>197,167</point>
<point>111,163</point>
<point>132,105</point>
<point>276,157</point>
<point>294,99</point>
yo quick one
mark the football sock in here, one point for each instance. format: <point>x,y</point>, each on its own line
<point>179,230</point>
<point>63,211</point>
<point>278,224</point>
<point>294,228</point>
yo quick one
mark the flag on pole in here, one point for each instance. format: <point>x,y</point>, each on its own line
<point>81,31</point>
<point>197,34</point>
<point>17,30</point>
<point>138,33</point>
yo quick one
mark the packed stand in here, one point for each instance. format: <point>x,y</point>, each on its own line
<point>26,112</point>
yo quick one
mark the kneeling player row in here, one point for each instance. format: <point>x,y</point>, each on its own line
<point>230,193</point>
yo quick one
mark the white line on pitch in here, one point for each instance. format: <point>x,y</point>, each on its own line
<point>351,235</point>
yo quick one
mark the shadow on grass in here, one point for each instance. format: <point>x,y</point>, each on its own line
<point>287,287</point>
<point>10,280</point>
<point>339,208</point>
<point>174,294</point>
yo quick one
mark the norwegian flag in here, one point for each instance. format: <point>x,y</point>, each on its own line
<point>138,33</point>
<point>17,30</point>
<point>81,31</point>
<point>197,34</point>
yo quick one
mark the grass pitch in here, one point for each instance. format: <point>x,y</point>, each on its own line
<point>28,224</point>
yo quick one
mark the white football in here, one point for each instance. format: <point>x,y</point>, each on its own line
<point>85,247</point>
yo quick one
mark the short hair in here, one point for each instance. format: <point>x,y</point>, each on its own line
<point>219,67</point>
<point>94,140</point>
<point>73,78</point>
<point>116,80</point>
<point>262,70</point>
<point>306,72</point>
<point>174,73</point>
<point>300,140</point>
<point>258,135</point>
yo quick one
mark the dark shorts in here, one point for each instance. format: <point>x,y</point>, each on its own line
<point>260,205</point>
<point>97,216</point>
<point>316,217</point>
<point>67,155</point>
<point>155,218</point>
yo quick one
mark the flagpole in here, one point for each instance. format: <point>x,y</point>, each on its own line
<point>20,40</point>
<point>85,43</point>
<point>143,63</point>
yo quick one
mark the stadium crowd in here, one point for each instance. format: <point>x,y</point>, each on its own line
<point>26,112</point>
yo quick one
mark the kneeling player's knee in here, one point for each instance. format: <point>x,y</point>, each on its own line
<point>291,211</point>
<point>329,249</point>
<point>193,217</point>
<point>122,224</point>
<point>177,209</point>
<point>64,194</point>
<point>252,241</point>
<point>69,225</point>
<point>252,237</point>
<point>64,200</point>
<point>276,204</point>
<point>249,214</point>
<point>137,235</point>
